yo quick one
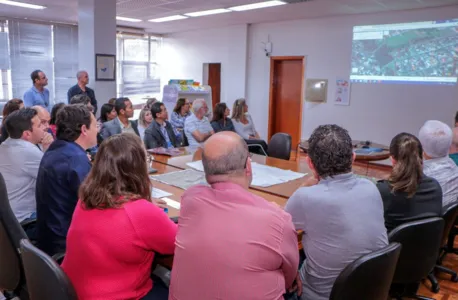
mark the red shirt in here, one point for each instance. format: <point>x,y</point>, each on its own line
<point>110,252</point>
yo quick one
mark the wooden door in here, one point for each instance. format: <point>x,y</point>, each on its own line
<point>214,80</point>
<point>286,96</point>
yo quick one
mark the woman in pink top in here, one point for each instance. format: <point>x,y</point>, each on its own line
<point>116,229</point>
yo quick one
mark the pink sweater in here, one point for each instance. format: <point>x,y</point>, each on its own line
<point>110,252</point>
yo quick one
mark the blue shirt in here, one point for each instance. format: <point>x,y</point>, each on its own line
<point>63,168</point>
<point>34,97</point>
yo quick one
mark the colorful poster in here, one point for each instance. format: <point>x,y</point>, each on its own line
<point>342,92</point>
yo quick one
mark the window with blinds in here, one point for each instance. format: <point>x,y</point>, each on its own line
<point>65,38</point>
<point>31,48</point>
<point>138,75</point>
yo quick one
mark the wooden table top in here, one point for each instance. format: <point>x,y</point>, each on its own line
<point>284,190</point>
<point>360,156</point>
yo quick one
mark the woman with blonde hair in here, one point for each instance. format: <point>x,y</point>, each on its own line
<point>244,126</point>
<point>116,229</point>
<point>408,194</point>
<point>144,120</point>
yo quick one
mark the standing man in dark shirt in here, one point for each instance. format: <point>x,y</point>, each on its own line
<point>63,168</point>
<point>81,88</point>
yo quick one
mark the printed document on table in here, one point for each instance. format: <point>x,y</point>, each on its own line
<point>157,193</point>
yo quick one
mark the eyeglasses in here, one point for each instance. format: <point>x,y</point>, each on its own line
<point>187,103</point>
<point>45,122</point>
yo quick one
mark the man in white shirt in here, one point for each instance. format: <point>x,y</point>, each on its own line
<point>20,159</point>
<point>197,128</point>
<point>436,139</point>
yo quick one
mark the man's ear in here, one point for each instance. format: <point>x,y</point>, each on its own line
<point>249,169</point>
<point>311,166</point>
<point>354,157</point>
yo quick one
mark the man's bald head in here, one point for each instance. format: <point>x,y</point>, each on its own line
<point>224,153</point>
<point>43,114</point>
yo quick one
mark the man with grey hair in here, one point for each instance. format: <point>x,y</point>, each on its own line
<point>197,128</point>
<point>436,139</point>
<point>82,88</point>
<point>230,237</point>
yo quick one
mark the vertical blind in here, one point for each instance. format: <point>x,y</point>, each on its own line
<point>65,60</point>
<point>31,48</point>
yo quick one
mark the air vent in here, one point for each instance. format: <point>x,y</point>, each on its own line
<point>296,1</point>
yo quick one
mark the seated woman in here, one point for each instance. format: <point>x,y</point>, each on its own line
<point>107,113</point>
<point>144,120</point>
<point>52,123</point>
<point>408,194</point>
<point>10,106</point>
<point>179,115</point>
<point>244,126</point>
<point>220,121</point>
<point>116,229</point>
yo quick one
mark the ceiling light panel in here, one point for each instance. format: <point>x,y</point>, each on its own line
<point>257,5</point>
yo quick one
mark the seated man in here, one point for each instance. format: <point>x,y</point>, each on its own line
<point>436,139</point>
<point>84,100</point>
<point>231,244</point>
<point>341,214</point>
<point>197,128</point>
<point>120,124</point>
<point>63,167</point>
<point>45,118</point>
<point>454,148</point>
<point>19,162</point>
<point>160,132</point>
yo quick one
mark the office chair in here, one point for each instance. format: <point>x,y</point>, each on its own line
<point>280,146</point>
<point>420,242</point>
<point>45,279</point>
<point>449,215</point>
<point>12,278</point>
<point>368,277</point>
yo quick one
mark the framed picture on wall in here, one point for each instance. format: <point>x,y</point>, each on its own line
<point>105,67</point>
<point>316,90</point>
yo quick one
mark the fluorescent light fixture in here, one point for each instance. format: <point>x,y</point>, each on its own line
<point>128,19</point>
<point>208,12</point>
<point>22,4</point>
<point>257,5</point>
<point>166,19</point>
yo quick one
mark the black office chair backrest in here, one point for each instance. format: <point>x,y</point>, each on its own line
<point>45,278</point>
<point>280,146</point>
<point>11,232</point>
<point>420,242</point>
<point>185,142</point>
<point>368,277</point>
<point>449,215</point>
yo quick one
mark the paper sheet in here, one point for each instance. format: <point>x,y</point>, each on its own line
<point>157,193</point>
<point>263,176</point>
<point>182,179</point>
<point>172,203</point>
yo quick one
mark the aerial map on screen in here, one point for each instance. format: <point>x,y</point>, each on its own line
<point>421,52</point>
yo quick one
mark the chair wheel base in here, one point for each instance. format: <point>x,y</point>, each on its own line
<point>455,278</point>
<point>435,289</point>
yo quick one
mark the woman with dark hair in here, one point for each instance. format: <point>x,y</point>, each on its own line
<point>220,121</point>
<point>107,113</point>
<point>10,106</point>
<point>116,230</point>
<point>408,194</point>
<point>52,123</point>
<point>180,113</point>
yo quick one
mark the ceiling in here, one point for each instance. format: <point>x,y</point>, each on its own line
<point>66,11</point>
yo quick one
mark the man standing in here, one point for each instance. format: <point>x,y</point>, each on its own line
<point>121,124</point>
<point>231,244</point>
<point>37,94</point>
<point>436,139</point>
<point>160,132</point>
<point>19,162</point>
<point>63,167</point>
<point>197,128</point>
<point>341,214</point>
<point>82,88</point>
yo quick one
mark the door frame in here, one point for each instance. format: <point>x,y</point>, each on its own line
<point>273,60</point>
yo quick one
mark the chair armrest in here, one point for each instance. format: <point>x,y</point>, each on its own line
<point>59,257</point>
<point>258,145</point>
<point>28,222</point>
<point>163,260</point>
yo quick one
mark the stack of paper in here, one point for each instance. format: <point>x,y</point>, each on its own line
<point>263,176</point>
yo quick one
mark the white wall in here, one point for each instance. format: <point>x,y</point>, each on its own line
<point>377,111</point>
<point>183,56</point>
